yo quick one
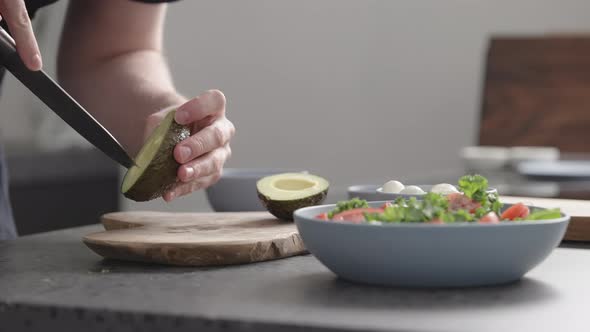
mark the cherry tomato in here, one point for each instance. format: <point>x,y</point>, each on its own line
<point>386,205</point>
<point>458,201</point>
<point>490,218</point>
<point>355,215</point>
<point>518,210</point>
<point>322,216</point>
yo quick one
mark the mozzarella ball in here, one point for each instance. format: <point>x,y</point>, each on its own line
<point>412,190</point>
<point>392,187</point>
<point>444,189</point>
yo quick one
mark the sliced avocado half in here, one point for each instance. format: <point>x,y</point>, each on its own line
<point>282,194</point>
<point>156,168</point>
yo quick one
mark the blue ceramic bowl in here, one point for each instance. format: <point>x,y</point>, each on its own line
<point>429,255</point>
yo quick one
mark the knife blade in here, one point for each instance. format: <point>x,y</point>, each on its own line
<point>58,100</point>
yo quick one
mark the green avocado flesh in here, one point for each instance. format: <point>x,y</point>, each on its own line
<point>282,194</point>
<point>156,168</point>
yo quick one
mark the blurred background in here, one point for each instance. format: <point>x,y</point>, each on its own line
<point>355,91</point>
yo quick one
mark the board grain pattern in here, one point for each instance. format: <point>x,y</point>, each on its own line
<point>579,210</point>
<point>195,239</point>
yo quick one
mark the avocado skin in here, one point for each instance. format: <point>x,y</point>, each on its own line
<point>160,174</point>
<point>284,209</point>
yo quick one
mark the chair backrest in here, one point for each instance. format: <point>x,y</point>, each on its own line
<point>537,92</point>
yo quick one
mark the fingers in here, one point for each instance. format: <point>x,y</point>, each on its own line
<point>200,173</point>
<point>207,104</point>
<point>216,135</point>
<point>204,153</point>
<point>206,165</point>
<point>17,18</point>
<point>187,188</point>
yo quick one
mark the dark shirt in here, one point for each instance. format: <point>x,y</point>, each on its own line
<point>7,227</point>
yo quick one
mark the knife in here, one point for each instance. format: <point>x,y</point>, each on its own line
<point>50,93</point>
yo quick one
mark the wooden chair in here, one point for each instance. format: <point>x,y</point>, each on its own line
<point>537,92</point>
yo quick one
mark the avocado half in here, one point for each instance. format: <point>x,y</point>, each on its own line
<point>155,169</point>
<point>282,194</point>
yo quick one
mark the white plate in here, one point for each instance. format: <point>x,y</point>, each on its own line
<point>479,158</point>
<point>570,169</point>
<point>520,154</point>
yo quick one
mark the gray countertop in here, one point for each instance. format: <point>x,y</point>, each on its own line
<point>51,282</point>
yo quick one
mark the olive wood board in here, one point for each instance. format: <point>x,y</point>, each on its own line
<point>579,210</point>
<point>195,239</point>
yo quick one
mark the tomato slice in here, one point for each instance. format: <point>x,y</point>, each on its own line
<point>490,218</point>
<point>458,201</point>
<point>518,210</point>
<point>386,205</point>
<point>355,215</point>
<point>322,216</point>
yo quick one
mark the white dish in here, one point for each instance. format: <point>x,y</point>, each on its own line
<point>520,154</point>
<point>562,169</point>
<point>478,158</point>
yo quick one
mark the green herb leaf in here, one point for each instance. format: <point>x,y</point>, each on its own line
<point>496,204</point>
<point>480,212</point>
<point>544,214</point>
<point>434,206</point>
<point>463,215</point>
<point>474,187</point>
<point>348,205</point>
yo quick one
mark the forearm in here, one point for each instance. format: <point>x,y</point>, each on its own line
<point>110,59</point>
<point>122,91</point>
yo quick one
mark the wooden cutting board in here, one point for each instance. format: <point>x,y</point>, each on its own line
<point>579,210</point>
<point>204,239</point>
<point>195,239</point>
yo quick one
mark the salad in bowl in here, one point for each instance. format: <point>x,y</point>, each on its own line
<point>471,202</point>
<point>460,239</point>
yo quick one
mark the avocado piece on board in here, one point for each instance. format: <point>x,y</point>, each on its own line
<point>155,170</point>
<point>282,194</point>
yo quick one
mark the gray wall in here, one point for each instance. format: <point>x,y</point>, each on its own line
<point>357,91</point>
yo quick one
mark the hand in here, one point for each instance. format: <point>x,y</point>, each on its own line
<point>202,155</point>
<point>14,12</point>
